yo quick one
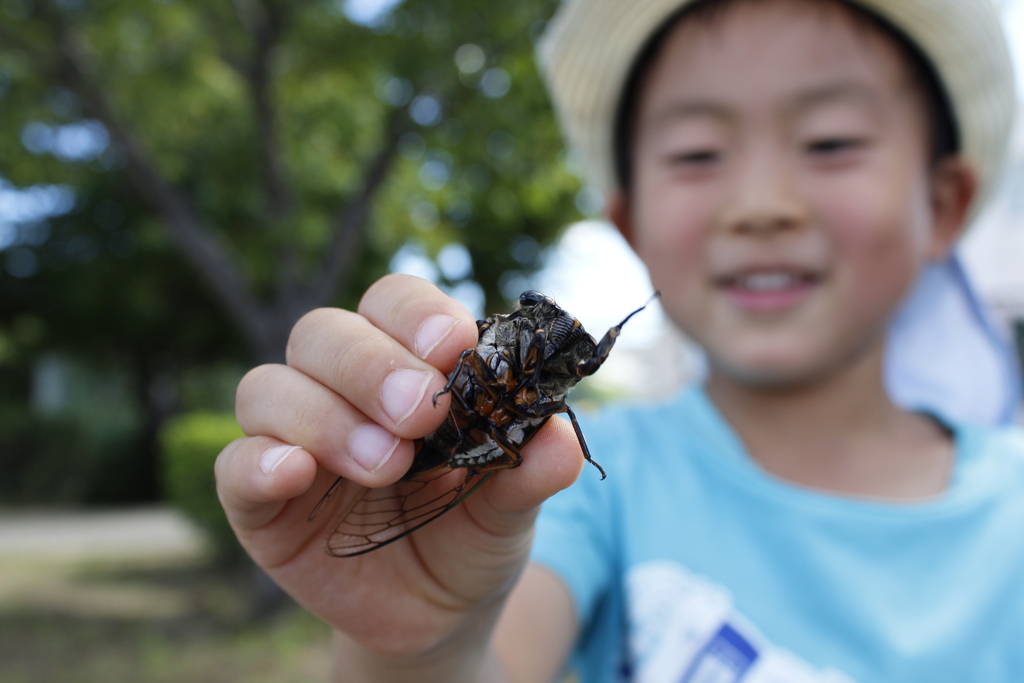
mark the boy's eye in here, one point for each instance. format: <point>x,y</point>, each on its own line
<point>699,157</point>
<point>829,146</point>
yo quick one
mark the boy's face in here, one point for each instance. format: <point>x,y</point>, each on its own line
<point>782,197</point>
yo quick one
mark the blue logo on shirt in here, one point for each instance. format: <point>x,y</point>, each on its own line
<point>725,659</point>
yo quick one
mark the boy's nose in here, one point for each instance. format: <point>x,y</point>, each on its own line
<point>764,201</point>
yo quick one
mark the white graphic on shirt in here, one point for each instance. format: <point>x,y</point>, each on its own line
<point>684,629</point>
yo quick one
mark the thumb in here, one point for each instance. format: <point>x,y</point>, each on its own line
<point>486,541</point>
<point>552,461</point>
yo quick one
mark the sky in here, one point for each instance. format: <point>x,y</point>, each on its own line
<point>1013,19</point>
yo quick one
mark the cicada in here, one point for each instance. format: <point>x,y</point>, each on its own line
<point>503,391</point>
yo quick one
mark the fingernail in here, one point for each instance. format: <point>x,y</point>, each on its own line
<point>372,446</point>
<point>273,457</point>
<point>432,332</point>
<point>402,391</point>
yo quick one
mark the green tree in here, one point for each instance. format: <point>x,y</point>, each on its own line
<point>199,173</point>
<point>282,151</point>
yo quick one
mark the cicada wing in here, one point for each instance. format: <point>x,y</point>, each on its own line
<point>327,499</point>
<point>369,519</point>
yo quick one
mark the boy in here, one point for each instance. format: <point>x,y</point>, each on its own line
<point>784,174</point>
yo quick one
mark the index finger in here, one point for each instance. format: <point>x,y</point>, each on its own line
<point>421,317</point>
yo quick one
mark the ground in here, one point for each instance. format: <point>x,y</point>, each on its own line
<point>132,595</point>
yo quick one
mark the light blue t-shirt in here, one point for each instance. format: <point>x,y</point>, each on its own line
<point>690,564</point>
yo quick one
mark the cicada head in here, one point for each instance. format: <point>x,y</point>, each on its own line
<point>567,343</point>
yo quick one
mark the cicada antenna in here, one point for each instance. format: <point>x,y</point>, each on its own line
<point>590,365</point>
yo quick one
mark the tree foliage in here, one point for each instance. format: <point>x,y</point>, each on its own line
<point>206,171</point>
<point>284,151</point>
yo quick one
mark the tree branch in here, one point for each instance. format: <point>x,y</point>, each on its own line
<point>351,222</point>
<point>195,240</point>
<point>266,25</point>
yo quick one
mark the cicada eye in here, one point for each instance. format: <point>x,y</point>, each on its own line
<point>530,298</point>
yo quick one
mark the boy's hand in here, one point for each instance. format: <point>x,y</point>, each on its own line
<point>355,392</point>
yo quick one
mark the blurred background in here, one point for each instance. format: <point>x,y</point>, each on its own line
<point>179,181</point>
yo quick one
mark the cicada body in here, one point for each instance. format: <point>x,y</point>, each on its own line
<point>503,391</point>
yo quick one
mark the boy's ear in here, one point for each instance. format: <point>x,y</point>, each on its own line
<point>618,214</point>
<point>954,187</point>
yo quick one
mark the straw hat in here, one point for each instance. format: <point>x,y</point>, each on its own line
<point>589,48</point>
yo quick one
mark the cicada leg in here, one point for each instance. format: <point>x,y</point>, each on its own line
<point>479,365</point>
<point>535,357</point>
<point>534,361</point>
<point>487,395</point>
<point>455,374</point>
<point>583,442</point>
<point>488,383</point>
<point>510,449</point>
<point>549,409</point>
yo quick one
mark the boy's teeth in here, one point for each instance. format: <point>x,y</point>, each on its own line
<point>765,282</point>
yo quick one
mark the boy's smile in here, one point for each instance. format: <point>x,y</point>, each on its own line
<point>783,198</point>
<point>767,289</point>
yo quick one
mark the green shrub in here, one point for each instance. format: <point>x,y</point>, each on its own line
<point>189,446</point>
<point>45,460</point>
